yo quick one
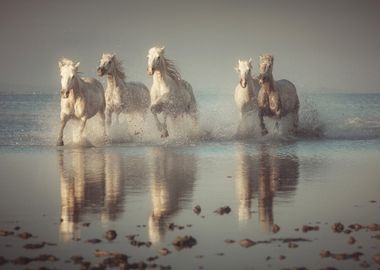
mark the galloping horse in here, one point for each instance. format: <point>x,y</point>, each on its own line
<point>121,96</point>
<point>170,95</point>
<point>276,99</point>
<point>81,98</point>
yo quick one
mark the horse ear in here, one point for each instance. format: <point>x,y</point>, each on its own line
<point>113,56</point>
<point>60,64</point>
<point>163,49</point>
<point>77,65</point>
<point>239,61</point>
<point>250,61</point>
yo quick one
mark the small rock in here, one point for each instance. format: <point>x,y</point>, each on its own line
<point>86,224</point>
<point>223,210</point>
<point>197,209</point>
<point>292,245</point>
<point>46,257</point>
<point>347,231</point>
<point>364,264</point>
<point>149,259</point>
<point>246,243</point>
<point>186,241</point>
<point>325,253</point>
<point>372,201</point>
<point>110,235</point>
<point>76,259</point>
<point>22,260</point>
<point>377,236</point>
<point>376,258</point>
<point>24,235</point>
<point>93,241</point>
<point>282,257</point>
<point>275,228</point>
<point>6,233</point>
<point>131,236</point>
<point>164,251</point>
<point>229,241</point>
<point>351,240</point>
<point>117,260</point>
<point>268,258</point>
<point>171,226</point>
<point>35,246</point>
<point>337,227</point>
<point>373,227</point>
<point>3,260</point>
<point>189,225</point>
<point>307,228</point>
<point>199,257</point>
<point>355,227</point>
<point>220,254</point>
<point>16,228</point>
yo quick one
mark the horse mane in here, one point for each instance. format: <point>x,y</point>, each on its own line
<point>119,69</point>
<point>171,69</point>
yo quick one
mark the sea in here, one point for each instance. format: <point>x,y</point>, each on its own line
<point>287,194</point>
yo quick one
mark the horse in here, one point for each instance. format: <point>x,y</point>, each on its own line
<point>247,89</point>
<point>276,99</point>
<point>81,98</point>
<point>170,94</point>
<point>121,96</point>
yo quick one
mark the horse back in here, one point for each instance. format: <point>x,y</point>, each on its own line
<point>136,94</point>
<point>288,96</point>
<point>94,96</point>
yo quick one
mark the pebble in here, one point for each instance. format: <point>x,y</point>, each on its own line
<point>35,246</point>
<point>186,241</point>
<point>246,243</point>
<point>93,241</point>
<point>229,241</point>
<point>16,228</point>
<point>164,251</point>
<point>351,240</point>
<point>337,227</point>
<point>282,257</point>
<point>373,227</point>
<point>275,228</point>
<point>6,233</point>
<point>355,227</point>
<point>307,228</point>
<point>223,210</point>
<point>197,209</point>
<point>86,224</point>
<point>76,259</point>
<point>24,235</point>
<point>292,245</point>
<point>376,258</point>
<point>110,235</point>
<point>340,256</point>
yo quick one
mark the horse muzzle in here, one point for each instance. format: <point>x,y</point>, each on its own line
<point>100,71</point>
<point>243,83</point>
<point>150,71</point>
<point>65,93</point>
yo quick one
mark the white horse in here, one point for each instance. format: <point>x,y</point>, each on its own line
<point>121,96</point>
<point>247,90</point>
<point>170,95</point>
<point>276,99</point>
<point>81,98</point>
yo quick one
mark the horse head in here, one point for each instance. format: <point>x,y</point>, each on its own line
<point>106,64</point>
<point>69,72</point>
<point>244,69</point>
<point>266,65</point>
<point>154,56</point>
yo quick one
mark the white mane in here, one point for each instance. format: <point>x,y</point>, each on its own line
<point>118,67</point>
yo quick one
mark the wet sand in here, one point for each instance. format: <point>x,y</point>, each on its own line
<point>285,200</point>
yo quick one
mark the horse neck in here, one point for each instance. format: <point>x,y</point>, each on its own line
<point>78,87</point>
<point>250,83</point>
<point>162,76</point>
<point>114,81</point>
<point>269,86</point>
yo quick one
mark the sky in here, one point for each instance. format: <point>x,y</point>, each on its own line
<point>320,46</point>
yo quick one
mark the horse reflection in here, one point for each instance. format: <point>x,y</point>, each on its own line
<point>172,178</point>
<point>266,174</point>
<point>93,183</point>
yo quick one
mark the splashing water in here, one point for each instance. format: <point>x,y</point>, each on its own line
<point>34,120</point>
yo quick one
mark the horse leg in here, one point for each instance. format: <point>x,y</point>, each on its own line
<point>164,132</point>
<point>103,120</point>
<point>82,126</point>
<point>295,123</point>
<point>158,123</point>
<point>64,119</point>
<point>117,118</point>
<point>264,130</point>
<point>108,116</point>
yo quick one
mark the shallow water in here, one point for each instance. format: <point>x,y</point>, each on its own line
<point>141,186</point>
<point>142,189</point>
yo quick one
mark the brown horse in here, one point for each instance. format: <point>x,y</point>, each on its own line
<point>276,99</point>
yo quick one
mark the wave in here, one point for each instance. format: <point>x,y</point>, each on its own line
<point>219,121</point>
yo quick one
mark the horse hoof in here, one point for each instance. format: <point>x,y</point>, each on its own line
<point>264,132</point>
<point>165,134</point>
<point>60,143</point>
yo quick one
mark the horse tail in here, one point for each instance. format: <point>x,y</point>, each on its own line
<point>192,106</point>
